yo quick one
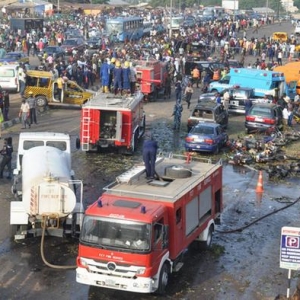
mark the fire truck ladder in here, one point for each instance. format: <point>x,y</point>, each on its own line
<point>134,172</point>
<point>86,118</point>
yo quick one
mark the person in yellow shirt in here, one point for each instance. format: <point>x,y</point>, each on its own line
<point>60,87</point>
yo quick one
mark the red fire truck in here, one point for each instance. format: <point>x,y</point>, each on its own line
<point>151,75</point>
<point>112,121</point>
<point>136,233</point>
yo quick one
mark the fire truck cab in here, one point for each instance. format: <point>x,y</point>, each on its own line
<point>134,236</point>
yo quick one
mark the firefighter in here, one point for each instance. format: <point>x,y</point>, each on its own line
<point>177,115</point>
<point>117,75</point>
<point>195,76</point>
<point>149,156</point>
<point>104,75</point>
<point>126,78</point>
<point>111,72</point>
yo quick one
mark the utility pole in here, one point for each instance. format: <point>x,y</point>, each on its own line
<point>171,6</point>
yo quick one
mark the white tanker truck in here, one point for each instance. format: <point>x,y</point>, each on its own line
<point>47,196</point>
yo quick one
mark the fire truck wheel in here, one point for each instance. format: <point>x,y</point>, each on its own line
<point>178,172</point>
<point>163,279</point>
<point>207,244</point>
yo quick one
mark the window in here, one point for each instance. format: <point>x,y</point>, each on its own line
<point>178,215</point>
<point>57,144</point>
<point>31,144</point>
<point>158,230</point>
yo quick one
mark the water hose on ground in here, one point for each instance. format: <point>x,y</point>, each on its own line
<point>43,255</point>
<point>259,219</point>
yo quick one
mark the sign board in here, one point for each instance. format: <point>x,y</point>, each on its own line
<point>290,248</point>
<point>230,4</point>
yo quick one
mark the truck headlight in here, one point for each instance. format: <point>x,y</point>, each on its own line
<point>140,271</point>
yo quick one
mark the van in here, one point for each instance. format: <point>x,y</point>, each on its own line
<point>9,78</point>
<point>44,88</point>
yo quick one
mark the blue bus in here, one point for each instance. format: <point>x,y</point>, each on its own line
<point>125,28</point>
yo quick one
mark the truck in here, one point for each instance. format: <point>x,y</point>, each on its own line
<point>44,88</point>
<point>136,234</point>
<point>291,74</point>
<point>112,122</point>
<point>46,192</point>
<point>264,82</point>
<point>26,25</point>
<point>151,77</point>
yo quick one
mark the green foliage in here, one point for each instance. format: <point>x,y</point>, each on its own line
<point>99,1</point>
<point>243,4</point>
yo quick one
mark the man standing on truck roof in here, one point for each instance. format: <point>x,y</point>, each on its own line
<point>149,156</point>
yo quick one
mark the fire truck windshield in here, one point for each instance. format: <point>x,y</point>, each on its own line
<point>115,233</point>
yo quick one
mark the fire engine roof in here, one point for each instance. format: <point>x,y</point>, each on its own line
<point>108,101</point>
<point>170,188</point>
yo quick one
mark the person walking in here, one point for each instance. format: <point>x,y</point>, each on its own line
<point>6,153</point>
<point>1,121</point>
<point>22,81</point>
<point>149,156</point>
<point>32,108</point>
<point>195,76</point>
<point>226,99</point>
<point>188,94</point>
<point>24,114</point>
<point>178,90</point>
<point>5,105</point>
<point>177,115</point>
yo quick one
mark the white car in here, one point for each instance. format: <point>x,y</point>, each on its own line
<point>297,29</point>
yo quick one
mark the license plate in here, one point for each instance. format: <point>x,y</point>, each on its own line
<point>199,141</point>
<point>109,282</point>
<point>259,120</point>
<point>198,147</point>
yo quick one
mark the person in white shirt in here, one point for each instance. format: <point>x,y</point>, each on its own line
<point>24,114</point>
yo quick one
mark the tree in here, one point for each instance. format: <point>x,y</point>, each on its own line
<point>99,1</point>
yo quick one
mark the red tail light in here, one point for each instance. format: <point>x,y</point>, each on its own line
<point>269,121</point>
<point>209,141</point>
<point>189,139</point>
<point>250,118</point>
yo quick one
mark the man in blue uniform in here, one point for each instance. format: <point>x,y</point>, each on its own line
<point>149,156</point>
<point>104,75</point>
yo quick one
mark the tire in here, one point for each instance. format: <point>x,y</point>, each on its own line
<point>205,245</point>
<point>214,91</point>
<point>41,101</point>
<point>163,279</point>
<point>178,172</point>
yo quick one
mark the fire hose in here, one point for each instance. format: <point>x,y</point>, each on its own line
<point>259,219</point>
<point>43,255</point>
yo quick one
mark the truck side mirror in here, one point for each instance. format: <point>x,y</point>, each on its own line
<point>77,143</point>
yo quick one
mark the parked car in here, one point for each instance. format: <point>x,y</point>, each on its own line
<point>209,112</point>
<point>94,42</point>
<point>263,117</point>
<point>55,51</point>
<point>14,58</point>
<point>206,137</point>
<point>76,44</point>
<point>297,29</point>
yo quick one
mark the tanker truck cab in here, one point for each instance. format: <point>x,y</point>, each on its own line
<point>44,87</point>
<point>44,186</point>
<point>136,234</point>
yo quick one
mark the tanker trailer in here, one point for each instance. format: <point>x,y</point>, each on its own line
<point>46,193</point>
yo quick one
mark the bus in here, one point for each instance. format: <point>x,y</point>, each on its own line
<point>213,11</point>
<point>176,22</point>
<point>125,28</point>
